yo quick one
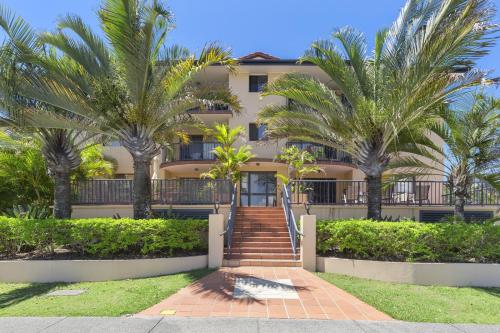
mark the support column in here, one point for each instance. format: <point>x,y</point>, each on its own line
<point>215,240</point>
<point>308,244</point>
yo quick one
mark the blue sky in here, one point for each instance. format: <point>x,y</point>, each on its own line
<point>278,27</point>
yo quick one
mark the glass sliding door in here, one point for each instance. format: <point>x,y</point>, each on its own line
<point>258,189</point>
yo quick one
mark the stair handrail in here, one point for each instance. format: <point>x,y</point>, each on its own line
<point>228,232</point>
<point>293,231</point>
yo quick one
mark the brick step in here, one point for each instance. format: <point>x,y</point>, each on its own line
<point>250,230</point>
<point>261,225</point>
<point>260,234</point>
<point>274,256</point>
<point>261,262</point>
<point>239,250</point>
<point>281,244</point>
<point>260,216</point>
<point>257,222</point>
<point>261,239</point>
<point>260,221</point>
<point>256,209</point>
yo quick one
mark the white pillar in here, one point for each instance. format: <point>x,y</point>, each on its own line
<point>215,240</point>
<point>308,244</point>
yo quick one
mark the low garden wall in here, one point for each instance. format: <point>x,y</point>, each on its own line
<point>411,252</point>
<point>445,274</point>
<point>105,249</point>
<point>39,271</point>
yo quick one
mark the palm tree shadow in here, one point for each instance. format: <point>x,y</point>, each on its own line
<point>18,295</point>
<point>221,283</point>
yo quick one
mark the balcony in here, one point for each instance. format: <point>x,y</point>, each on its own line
<point>322,153</point>
<point>213,108</point>
<point>163,191</point>
<point>193,151</point>
<point>400,193</point>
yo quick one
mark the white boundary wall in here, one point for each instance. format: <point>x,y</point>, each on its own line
<point>39,271</point>
<point>445,274</point>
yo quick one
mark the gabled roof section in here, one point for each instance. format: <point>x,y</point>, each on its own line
<point>258,56</point>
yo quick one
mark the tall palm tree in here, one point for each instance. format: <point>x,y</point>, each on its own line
<point>377,107</point>
<point>472,136</point>
<point>134,87</point>
<point>61,147</point>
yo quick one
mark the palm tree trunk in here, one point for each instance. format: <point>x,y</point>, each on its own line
<point>374,197</point>
<point>142,188</point>
<point>62,194</point>
<point>459,213</point>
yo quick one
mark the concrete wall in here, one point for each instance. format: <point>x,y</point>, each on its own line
<point>40,271</point>
<point>348,212</point>
<point>122,157</point>
<point>83,212</point>
<point>445,274</point>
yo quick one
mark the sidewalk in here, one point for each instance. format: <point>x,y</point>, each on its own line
<point>223,325</point>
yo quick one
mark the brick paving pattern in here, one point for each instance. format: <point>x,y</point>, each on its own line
<point>212,296</point>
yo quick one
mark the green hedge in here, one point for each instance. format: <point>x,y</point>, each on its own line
<point>103,237</point>
<point>409,241</point>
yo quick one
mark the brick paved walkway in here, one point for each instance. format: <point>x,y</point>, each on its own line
<point>212,296</point>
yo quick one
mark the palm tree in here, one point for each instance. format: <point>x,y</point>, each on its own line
<point>229,159</point>
<point>299,162</point>
<point>137,90</point>
<point>377,107</point>
<point>472,137</point>
<point>61,147</point>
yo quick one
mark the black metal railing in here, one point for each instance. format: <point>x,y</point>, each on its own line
<point>212,108</point>
<point>321,152</point>
<point>290,218</point>
<point>193,151</point>
<point>409,193</point>
<point>228,231</point>
<point>163,191</point>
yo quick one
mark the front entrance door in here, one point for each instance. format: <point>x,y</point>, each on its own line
<point>258,189</point>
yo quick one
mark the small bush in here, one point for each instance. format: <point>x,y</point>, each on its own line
<point>103,237</point>
<point>409,241</point>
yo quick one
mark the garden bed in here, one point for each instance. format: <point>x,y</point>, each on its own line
<point>409,241</point>
<point>101,238</point>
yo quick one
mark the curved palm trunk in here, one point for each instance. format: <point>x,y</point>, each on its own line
<point>62,193</point>
<point>374,197</point>
<point>142,188</point>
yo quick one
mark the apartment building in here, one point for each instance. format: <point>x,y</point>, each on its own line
<point>340,191</point>
<point>259,185</point>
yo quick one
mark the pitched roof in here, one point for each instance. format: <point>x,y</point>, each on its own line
<point>258,56</point>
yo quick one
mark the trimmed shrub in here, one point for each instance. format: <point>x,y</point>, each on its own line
<point>409,241</point>
<point>103,237</point>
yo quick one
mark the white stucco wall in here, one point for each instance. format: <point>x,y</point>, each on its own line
<point>41,271</point>
<point>445,274</point>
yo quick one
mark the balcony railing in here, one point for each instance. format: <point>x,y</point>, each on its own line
<point>212,108</point>
<point>163,191</point>
<point>193,151</point>
<point>321,152</point>
<point>407,193</point>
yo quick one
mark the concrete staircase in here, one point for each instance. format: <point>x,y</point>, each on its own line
<point>260,238</point>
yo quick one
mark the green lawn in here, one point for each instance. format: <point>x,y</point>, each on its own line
<point>110,298</point>
<point>424,303</point>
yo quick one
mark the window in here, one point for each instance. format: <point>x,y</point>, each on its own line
<point>257,82</point>
<point>257,133</point>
